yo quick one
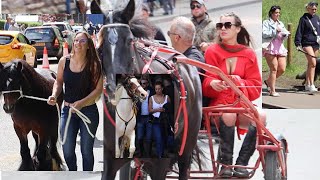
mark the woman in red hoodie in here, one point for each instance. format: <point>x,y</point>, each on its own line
<point>236,59</point>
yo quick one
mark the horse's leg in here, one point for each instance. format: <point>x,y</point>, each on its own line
<point>111,166</point>
<point>26,164</point>
<point>54,151</point>
<point>184,164</point>
<point>159,168</point>
<point>117,154</point>
<point>43,157</point>
<point>132,143</point>
<point>36,139</point>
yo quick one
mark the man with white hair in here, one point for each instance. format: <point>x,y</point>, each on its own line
<point>181,33</point>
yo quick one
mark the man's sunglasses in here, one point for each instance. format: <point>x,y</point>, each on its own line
<point>226,25</point>
<point>193,6</point>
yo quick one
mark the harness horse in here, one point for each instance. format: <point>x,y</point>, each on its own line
<point>126,96</point>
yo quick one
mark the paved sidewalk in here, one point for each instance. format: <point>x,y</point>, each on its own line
<point>290,99</point>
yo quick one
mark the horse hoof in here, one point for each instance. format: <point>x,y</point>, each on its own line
<point>27,165</point>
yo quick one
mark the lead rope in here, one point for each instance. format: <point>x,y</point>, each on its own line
<point>83,117</point>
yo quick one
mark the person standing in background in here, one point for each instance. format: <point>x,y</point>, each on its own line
<point>205,27</point>
<point>156,103</point>
<point>306,38</point>
<point>158,32</point>
<point>7,23</point>
<point>273,35</point>
<point>144,126</point>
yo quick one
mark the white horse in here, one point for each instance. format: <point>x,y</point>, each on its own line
<point>125,115</point>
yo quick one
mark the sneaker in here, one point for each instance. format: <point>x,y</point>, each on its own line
<point>275,94</point>
<point>307,87</point>
<point>313,88</point>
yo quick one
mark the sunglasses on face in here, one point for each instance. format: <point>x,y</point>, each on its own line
<point>227,25</point>
<point>144,83</point>
<point>81,41</point>
<point>193,6</point>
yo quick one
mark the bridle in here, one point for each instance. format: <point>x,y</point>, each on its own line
<point>132,96</point>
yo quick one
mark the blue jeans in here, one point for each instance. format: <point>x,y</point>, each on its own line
<point>157,135</point>
<point>144,128</point>
<point>86,141</point>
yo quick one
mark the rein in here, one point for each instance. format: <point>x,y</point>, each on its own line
<point>83,117</point>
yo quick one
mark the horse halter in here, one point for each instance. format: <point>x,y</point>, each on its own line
<point>131,92</point>
<point>13,91</point>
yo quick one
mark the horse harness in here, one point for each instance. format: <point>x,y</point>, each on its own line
<point>134,102</point>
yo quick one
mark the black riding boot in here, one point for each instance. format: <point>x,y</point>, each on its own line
<point>247,149</point>
<point>226,147</point>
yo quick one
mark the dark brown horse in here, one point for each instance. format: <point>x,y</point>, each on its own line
<point>18,82</point>
<point>120,55</point>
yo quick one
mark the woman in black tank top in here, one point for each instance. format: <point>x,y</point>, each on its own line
<point>80,73</point>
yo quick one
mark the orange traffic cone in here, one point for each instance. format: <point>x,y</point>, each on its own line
<point>45,60</point>
<point>65,49</point>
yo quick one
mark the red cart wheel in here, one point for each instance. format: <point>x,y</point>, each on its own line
<point>272,169</point>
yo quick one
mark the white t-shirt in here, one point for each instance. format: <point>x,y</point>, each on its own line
<point>155,105</point>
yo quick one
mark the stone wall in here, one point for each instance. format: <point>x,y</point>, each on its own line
<point>35,6</point>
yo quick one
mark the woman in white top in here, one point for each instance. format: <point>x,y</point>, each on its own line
<point>156,103</point>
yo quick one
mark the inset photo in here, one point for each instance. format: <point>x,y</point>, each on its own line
<point>290,47</point>
<point>144,116</point>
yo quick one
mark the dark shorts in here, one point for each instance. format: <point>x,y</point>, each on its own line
<point>313,45</point>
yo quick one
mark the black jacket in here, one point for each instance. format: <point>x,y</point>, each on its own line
<point>304,34</point>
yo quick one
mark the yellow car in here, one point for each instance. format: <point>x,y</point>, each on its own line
<point>14,45</point>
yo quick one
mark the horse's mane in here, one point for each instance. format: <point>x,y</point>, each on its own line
<point>34,79</point>
<point>142,28</point>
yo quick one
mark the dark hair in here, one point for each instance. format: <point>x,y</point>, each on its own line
<point>273,9</point>
<point>312,3</point>
<point>243,36</point>
<point>93,63</point>
<point>158,83</point>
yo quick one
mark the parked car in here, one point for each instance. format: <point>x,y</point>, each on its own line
<point>78,29</point>
<point>14,45</point>
<point>65,29</point>
<point>48,36</point>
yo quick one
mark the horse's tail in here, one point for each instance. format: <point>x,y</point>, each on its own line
<point>126,142</point>
<point>199,157</point>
